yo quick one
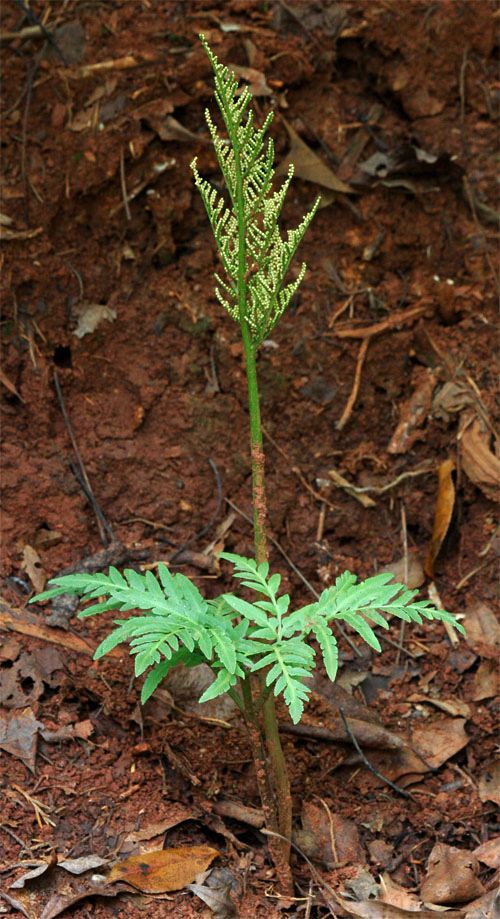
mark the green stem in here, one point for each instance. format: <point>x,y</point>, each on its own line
<point>272,775</point>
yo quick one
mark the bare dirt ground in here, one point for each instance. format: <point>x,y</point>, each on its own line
<point>382,372</point>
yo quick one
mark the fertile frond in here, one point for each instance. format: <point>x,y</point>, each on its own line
<point>254,256</point>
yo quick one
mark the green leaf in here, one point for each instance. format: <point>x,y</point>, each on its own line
<point>220,685</point>
<point>153,680</point>
<point>115,638</point>
<point>328,645</point>
<point>248,610</point>
<point>362,628</point>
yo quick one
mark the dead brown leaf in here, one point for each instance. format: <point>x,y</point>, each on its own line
<point>478,462</point>
<point>443,515</point>
<point>377,909</point>
<point>482,630</point>
<point>489,784</point>
<point>456,707</point>
<point>255,78</point>
<point>451,876</point>
<point>439,741</point>
<point>308,165</point>
<point>485,685</point>
<point>489,852</point>
<point>8,385</point>
<point>413,413</point>
<point>18,736</point>
<point>178,814</point>
<point>406,571</point>
<point>328,837</point>
<point>392,893</point>
<point>163,870</point>
<point>32,564</point>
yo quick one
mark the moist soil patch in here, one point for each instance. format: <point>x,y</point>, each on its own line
<point>124,425</point>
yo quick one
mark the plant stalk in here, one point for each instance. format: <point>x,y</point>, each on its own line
<point>273,768</point>
<point>272,775</point>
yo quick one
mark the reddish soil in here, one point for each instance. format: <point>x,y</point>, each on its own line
<point>157,401</point>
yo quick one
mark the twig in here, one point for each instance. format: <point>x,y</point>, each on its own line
<point>396,788</point>
<point>346,414</point>
<point>333,844</point>
<point>404,536</point>
<point>37,23</point>
<point>423,469</point>
<point>212,520</point>
<point>398,319</point>
<point>437,602</point>
<point>42,817</point>
<point>105,530</point>
<point>24,846</point>
<point>296,471</point>
<point>472,204</point>
<point>124,186</point>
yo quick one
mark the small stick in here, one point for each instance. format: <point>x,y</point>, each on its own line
<point>398,319</point>
<point>404,536</point>
<point>333,843</point>
<point>436,600</point>
<point>396,788</point>
<point>346,414</point>
<point>105,530</point>
<point>296,471</point>
<point>321,522</point>
<point>472,204</point>
<point>124,186</point>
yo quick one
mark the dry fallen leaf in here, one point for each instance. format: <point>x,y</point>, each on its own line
<point>329,837</point>
<point>308,165</point>
<point>486,682</point>
<point>443,516</point>
<point>455,707</point>
<point>377,909</point>
<point>406,571</point>
<point>9,385</point>
<point>18,736</point>
<point>413,413</point>
<point>163,870</point>
<point>32,565</point>
<point>489,852</point>
<point>178,813</point>
<point>489,784</point>
<point>451,876</point>
<point>392,893</point>
<point>255,78</point>
<point>482,630</point>
<point>478,462</point>
<point>439,741</point>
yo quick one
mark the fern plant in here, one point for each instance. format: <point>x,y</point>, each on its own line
<point>234,636</point>
<point>258,649</point>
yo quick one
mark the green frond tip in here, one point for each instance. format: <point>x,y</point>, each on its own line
<point>255,258</point>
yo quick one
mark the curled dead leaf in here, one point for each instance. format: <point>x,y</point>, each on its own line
<point>445,505</point>
<point>480,465</point>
